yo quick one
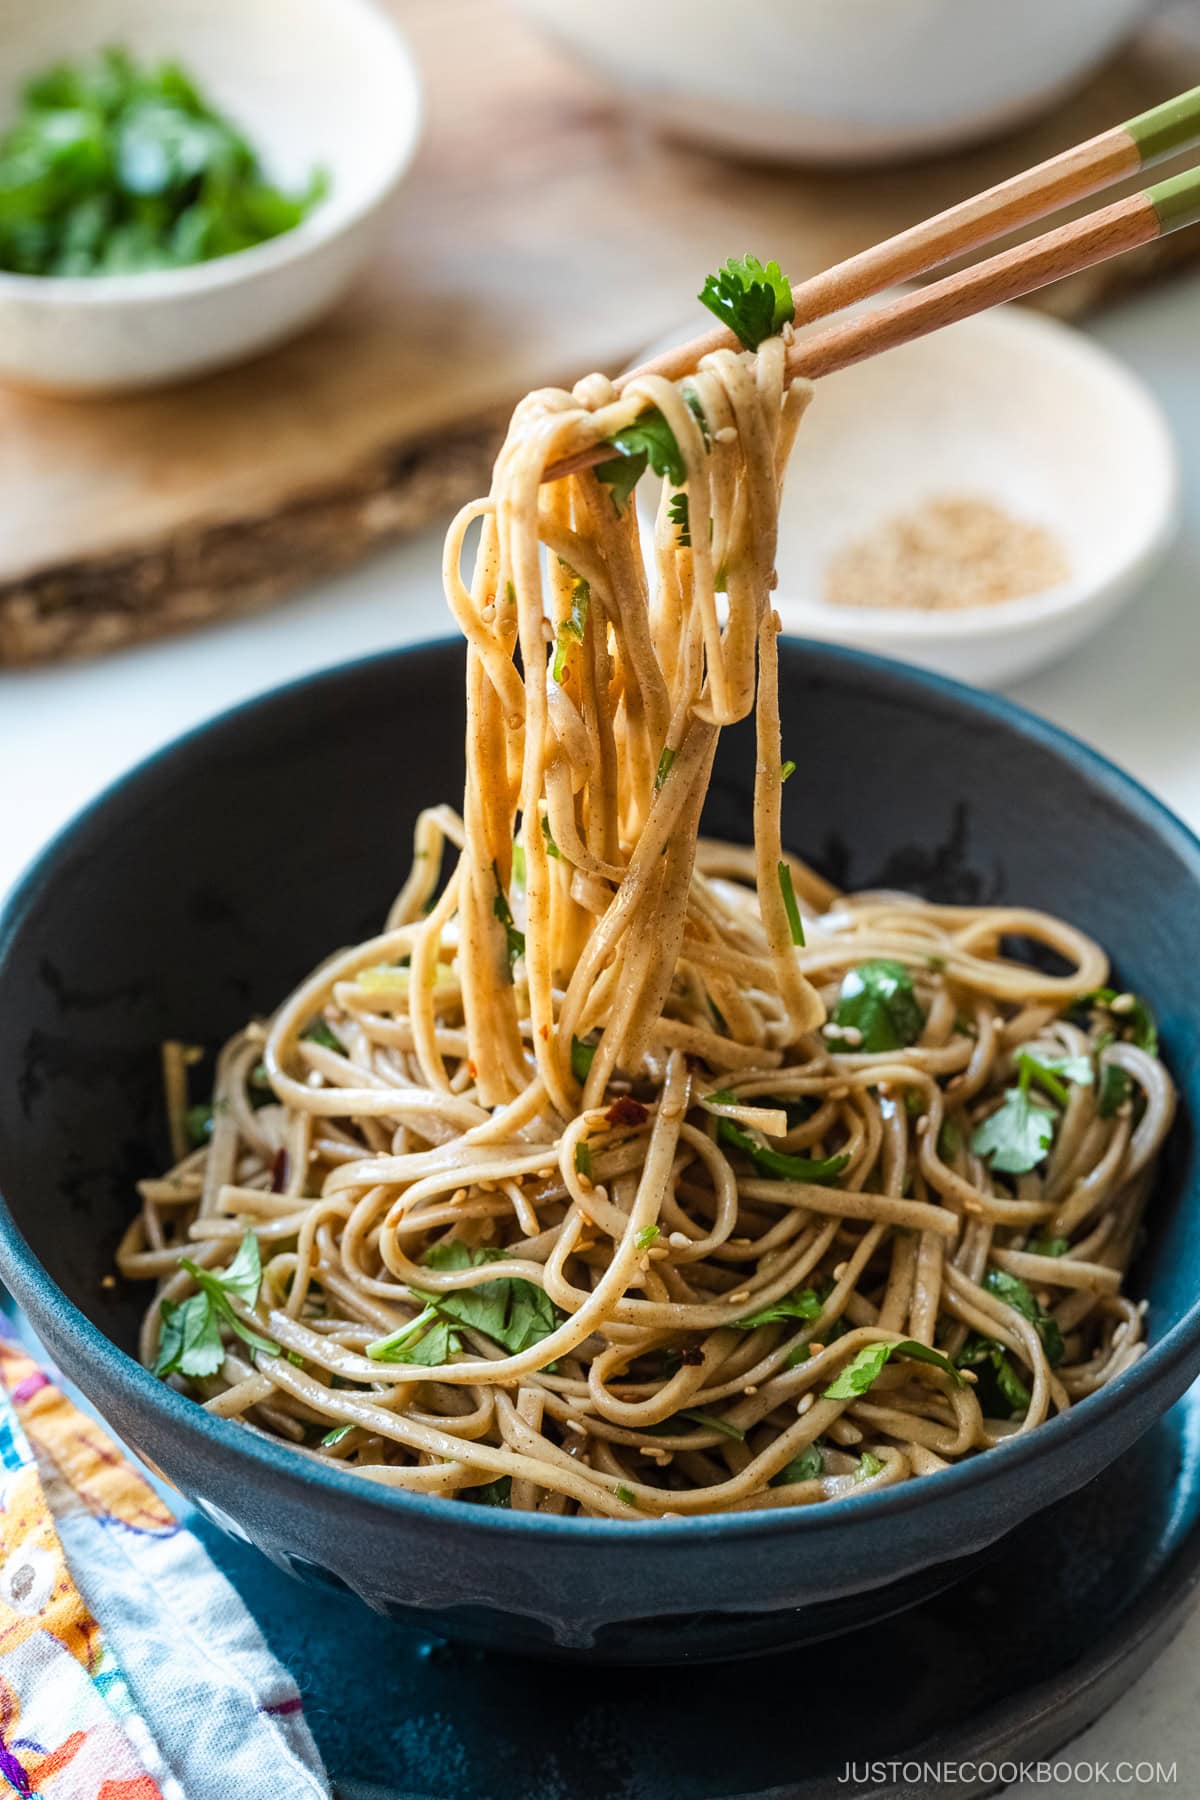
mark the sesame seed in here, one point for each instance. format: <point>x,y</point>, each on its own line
<point>787,331</point>
<point>840,1271</point>
<point>753,1388</point>
<point>736,1299</point>
<point>670,1515</point>
<point>1124,1003</point>
<point>922,1125</point>
<point>574,1425</point>
<point>815,1349</point>
<point>803,1404</point>
<point>680,1239</point>
<point>840,1092</point>
<point>726,435</point>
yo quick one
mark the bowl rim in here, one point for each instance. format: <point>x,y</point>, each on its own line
<point>26,1275</point>
<point>328,220</point>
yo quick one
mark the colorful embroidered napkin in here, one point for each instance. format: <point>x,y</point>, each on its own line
<point>129,1668</point>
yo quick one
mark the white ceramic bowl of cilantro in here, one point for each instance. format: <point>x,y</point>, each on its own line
<point>312,84</point>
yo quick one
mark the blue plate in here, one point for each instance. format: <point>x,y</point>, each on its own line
<point>1004,1668</point>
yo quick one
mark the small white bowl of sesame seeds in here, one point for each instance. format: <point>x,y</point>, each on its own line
<point>977,502</point>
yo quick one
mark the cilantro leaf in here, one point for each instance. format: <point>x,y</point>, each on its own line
<point>583,1055</point>
<point>319,1033</point>
<point>190,1342</point>
<point>1016,1293</point>
<point>572,628</point>
<point>190,1339</point>
<point>863,1370</point>
<point>427,1341</point>
<point>877,1000</point>
<point>514,940</point>
<point>664,768</point>
<point>646,1236</point>
<point>802,1303</point>
<point>552,848</point>
<point>795,923</point>
<point>198,1123</point>
<point>806,1467</point>
<point>713,1422</point>
<point>777,1163</point>
<point>999,1385</point>
<point>753,301</point>
<point>649,441</point>
<point>1116,1085</point>
<point>1129,1013</point>
<point>786,770</point>
<point>679,516</point>
<point>868,1465</point>
<point>1016,1137</point>
<point>493,1493</point>
<point>514,1313</point>
<point>1047,1246</point>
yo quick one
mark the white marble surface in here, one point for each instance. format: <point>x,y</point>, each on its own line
<point>1134,691</point>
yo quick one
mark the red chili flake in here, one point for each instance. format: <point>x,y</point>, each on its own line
<point>543,1031</point>
<point>693,1358</point>
<point>626,1111</point>
<point>279,1172</point>
<point>472,1071</point>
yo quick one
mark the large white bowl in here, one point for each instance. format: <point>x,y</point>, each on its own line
<point>839,80</point>
<point>326,83</point>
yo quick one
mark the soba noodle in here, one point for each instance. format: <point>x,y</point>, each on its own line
<point>587,1187</point>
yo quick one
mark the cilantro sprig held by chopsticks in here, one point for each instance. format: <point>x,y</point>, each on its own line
<point>753,301</point>
<point>190,1339</point>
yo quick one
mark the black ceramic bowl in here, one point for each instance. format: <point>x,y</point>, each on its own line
<point>200,888</point>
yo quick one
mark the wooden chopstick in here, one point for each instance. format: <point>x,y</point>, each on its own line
<point>1074,174</point>
<point>1167,206</point>
<point>1022,270</point>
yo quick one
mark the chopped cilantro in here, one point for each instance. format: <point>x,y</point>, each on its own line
<point>649,441</point>
<point>863,1370</point>
<point>999,1384</point>
<point>190,1339</point>
<point>198,1123</point>
<point>795,923</point>
<point>1016,1293</point>
<point>583,1160</point>
<point>571,629</point>
<point>552,848</point>
<point>1116,1085</point>
<point>1047,1246</point>
<point>1016,1137</point>
<point>493,1493</point>
<point>712,1422</point>
<point>626,1495</point>
<point>777,1163</point>
<point>806,1467</point>
<point>514,939</point>
<point>583,1055</point>
<point>318,1032</point>
<point>646,1236</point>
<point>664,768</point>
<point>788,769</point>
<point>336,1436</point>
<point>868,1465</point>
<point>1129,1012</point>
<point>877,1000</point>
<point>802,1303</point>
<point>511,1311</point>
<point>678,514</point>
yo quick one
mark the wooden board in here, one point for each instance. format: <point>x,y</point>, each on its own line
<point>542,233</point>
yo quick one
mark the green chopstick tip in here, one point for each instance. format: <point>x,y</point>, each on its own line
<point>1175,125</point>
<point>1176,201</point>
